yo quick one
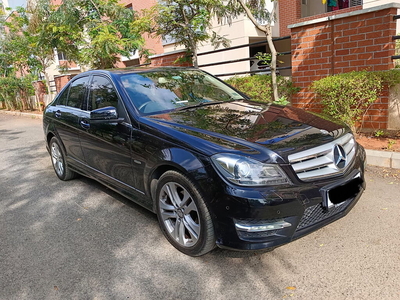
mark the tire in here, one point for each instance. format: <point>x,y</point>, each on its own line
<point>58,160</point>
<point>183,215</point>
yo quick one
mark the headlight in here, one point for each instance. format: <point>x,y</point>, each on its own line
<point>248,172</point>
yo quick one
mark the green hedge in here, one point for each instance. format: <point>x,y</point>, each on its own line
<point>15,92</point>
<point>347,96</point>
<point>259,87</point>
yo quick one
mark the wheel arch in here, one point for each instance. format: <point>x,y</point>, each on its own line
<point>179,160</point>
<point>49,136</point>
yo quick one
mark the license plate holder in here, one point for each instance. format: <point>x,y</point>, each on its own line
<point>336,194</point>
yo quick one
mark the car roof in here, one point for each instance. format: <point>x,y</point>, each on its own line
<point>131,70</point>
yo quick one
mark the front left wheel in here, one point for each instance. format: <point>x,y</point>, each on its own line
<point>183,215</point>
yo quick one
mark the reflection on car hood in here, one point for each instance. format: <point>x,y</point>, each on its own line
<point>249,126</point>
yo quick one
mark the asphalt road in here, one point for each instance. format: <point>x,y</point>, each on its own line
<point>79,240</point>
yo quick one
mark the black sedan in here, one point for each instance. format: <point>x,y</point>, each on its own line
<point>216,168</point>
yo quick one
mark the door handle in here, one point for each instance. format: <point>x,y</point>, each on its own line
<point>85,124</point>
<point>57,114</point>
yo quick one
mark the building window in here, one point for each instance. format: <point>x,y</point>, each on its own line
<point>61,56</point>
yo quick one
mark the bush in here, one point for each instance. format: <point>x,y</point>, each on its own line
<point>259,87</point>
<point>15,92</point>
<point>346,97</point>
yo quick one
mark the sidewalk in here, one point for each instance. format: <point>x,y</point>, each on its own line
<point>18,113</point>
<point>384,159</point>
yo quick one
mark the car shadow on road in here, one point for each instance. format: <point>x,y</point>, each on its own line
<point>81,240</point>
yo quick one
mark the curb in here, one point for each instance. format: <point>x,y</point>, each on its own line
<point>23,114</point>
<point>384,159</point>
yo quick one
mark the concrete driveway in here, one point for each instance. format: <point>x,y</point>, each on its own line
<point>79,240</point>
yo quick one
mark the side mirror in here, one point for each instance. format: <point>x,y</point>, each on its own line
<point>105,115</point>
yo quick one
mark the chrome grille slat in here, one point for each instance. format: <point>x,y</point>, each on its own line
<point>312,164</point>
<point>303,159</point>
<point>319,162</point>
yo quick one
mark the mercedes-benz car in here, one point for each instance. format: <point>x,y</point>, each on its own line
<point>217,168</point>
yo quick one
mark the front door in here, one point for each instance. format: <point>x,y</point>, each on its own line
<point>106,146</point>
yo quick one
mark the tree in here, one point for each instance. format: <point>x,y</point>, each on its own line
<point>256,11</point>
<point>95,33</point>
<point>24,46</point>
<point>187,22</point>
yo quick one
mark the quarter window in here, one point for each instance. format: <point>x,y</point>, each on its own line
<point>62,99</point>
<point>102,93</point>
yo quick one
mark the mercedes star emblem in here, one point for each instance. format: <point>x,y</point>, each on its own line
<point>339,156</point>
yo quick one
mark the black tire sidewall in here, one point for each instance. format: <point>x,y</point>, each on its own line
<point>206,233</point>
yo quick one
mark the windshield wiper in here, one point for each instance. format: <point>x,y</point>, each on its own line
<point>199,105</point>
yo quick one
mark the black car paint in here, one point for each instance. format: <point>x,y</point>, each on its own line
<point>147,146</point>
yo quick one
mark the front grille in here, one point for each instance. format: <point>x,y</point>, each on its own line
<point>320,162</point>
<point>317,213</point>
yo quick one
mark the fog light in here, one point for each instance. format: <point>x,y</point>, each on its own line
<point>278,224</point>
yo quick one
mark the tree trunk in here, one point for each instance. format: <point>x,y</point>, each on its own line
<point>271,45</point>
<point>193,44</point>
<point>48,90</point>
<point>268,33</point>
<point>195,61</point>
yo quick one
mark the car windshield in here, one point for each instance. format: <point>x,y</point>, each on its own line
<point>156,92</point>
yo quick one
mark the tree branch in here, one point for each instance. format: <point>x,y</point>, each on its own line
<point>251,17</point>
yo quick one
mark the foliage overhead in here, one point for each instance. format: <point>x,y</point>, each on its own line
<point>17,53</point>
<point>188,22</point>
<point>94,32</point>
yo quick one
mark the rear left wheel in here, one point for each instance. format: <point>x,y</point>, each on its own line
<point>183,215</point>
<point>58,160</point>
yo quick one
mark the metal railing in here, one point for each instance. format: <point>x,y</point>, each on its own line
<point>242,59</point>
<point>396,37</point>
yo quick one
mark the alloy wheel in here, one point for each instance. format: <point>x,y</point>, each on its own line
<point>57,159</point>
<point>179,214</point>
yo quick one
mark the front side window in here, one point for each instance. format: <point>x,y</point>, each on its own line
<point>102,93</point>
<point>77,92</point>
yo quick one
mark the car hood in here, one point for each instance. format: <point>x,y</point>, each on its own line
<point>249,127</point>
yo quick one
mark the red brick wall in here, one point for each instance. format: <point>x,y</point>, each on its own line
<point>154,44</point>
<point>61,81</point>
<point>40,90</point>
<point>354,43</point>
<point>327,14</point>
<point>289,13</point>
<point>169,60</point>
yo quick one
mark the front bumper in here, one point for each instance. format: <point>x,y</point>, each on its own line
<point>255,219</point>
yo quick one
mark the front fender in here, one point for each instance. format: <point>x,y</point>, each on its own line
<point>194,167</point>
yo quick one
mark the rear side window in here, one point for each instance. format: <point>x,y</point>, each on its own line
<point>102,93</point>
<point>77,92</point>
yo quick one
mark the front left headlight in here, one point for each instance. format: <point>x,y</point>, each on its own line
<point>245,171</point>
